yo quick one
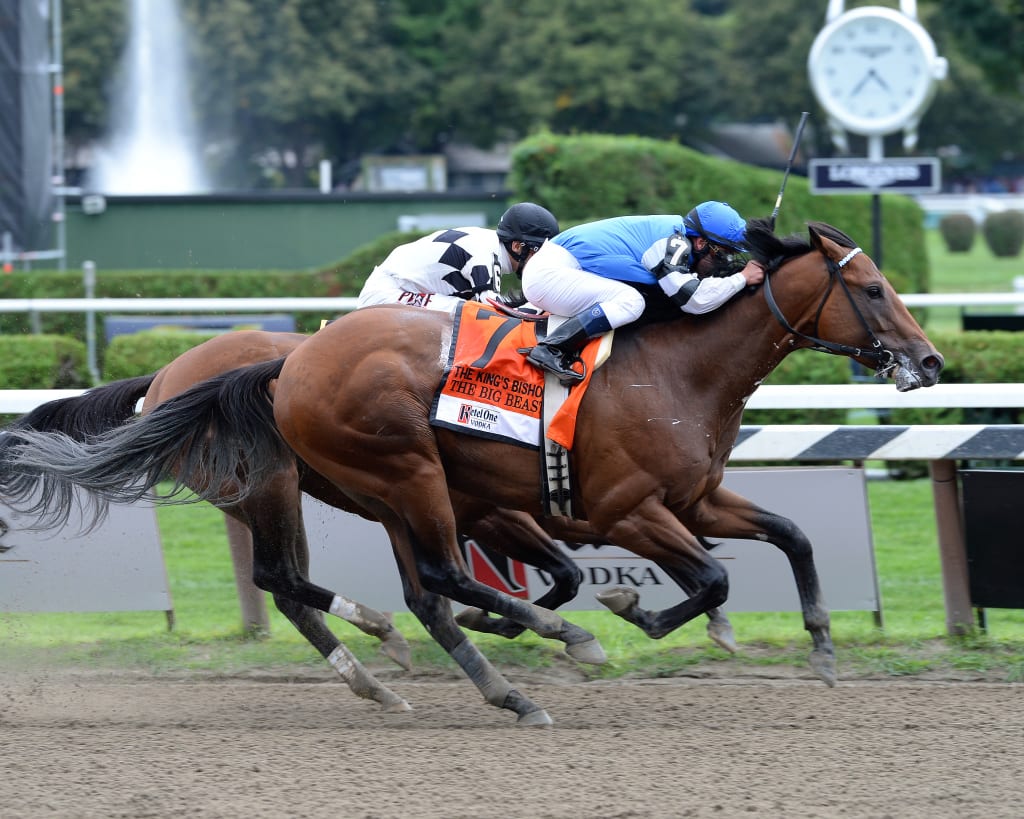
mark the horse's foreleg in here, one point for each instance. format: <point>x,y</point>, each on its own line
<point>450,580</point>
<point>436,615</point>
<point>723,513</point>
<point>426,521</point>
<point>516,535</point>
<point>577,532</point>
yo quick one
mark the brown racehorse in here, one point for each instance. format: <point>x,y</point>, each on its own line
<point>654,434</point>
<point>281,561</point>
<point>273,513</point>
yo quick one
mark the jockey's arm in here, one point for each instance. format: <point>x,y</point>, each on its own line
<point>688,291</point>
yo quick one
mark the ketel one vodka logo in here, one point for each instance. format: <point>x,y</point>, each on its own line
<point>478,417</point>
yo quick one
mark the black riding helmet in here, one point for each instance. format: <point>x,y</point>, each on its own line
<point>527,223</point>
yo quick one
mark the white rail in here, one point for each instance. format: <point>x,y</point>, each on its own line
<point>343,304</point>
<point>796,396</point>
<point>176,305</point>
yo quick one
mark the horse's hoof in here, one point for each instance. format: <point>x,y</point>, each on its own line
<point>397,649</point>
<point>535,719</point>
<point>722,635</point>
<point>589,651</point>
<point>824,665</point>
<point>618,600</point>
<point>473,618</point>
<point>469,616</point>
<point>399,706</point>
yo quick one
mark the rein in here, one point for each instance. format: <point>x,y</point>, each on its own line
<point>883,359</point>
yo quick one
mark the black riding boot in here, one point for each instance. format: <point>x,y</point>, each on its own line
<point>556,352</point>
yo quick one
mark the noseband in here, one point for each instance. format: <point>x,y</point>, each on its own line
<point>884,360</point>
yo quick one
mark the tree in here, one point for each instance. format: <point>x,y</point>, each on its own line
<point>990,33</point>
<point>320,78</point>
<point>587,65</point>
<point>302,75</point>
<point>94,33</point>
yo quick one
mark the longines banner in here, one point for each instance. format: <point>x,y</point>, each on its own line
<point>353,556</point>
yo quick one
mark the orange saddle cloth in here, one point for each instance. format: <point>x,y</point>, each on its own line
<point>489,390</point>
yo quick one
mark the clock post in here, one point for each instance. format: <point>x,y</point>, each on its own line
<point>875,71</point>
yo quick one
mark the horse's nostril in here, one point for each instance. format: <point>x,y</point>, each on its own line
<point>932,362</point>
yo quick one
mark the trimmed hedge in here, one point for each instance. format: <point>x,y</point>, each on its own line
<point>594,176</point>
<point>1004,233</point>
<point>958,231</point>
<point>147,351</point>
<point>347,276</point>
<point>343,278</point>
<point>805,367</point>
<point>150,285</point>
<point>976,357</point>
<point>43,362</point>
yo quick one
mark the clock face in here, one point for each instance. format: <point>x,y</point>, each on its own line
<point>872,69</point>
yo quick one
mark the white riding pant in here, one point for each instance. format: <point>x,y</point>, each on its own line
<point>383,287</point>
<point>554,281</point>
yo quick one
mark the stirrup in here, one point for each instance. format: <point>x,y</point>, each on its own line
<point>555,363</point>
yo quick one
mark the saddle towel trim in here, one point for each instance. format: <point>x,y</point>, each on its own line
<point>561,404</point>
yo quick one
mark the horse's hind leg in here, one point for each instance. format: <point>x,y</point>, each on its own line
<point>653,532</point>
<point>723,513</point>
<point>282,565</point>
<point>282,571</point>
<point>517,536</point>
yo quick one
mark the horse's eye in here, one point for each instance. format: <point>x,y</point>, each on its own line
<point>874,291</point>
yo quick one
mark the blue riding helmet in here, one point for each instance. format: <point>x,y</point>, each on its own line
<point>718,223</point>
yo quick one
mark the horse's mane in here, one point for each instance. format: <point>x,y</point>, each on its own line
<point>772,251</point>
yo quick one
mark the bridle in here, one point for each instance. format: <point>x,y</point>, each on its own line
<point>884,361</point>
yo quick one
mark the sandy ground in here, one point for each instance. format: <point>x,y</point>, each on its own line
<point>77,745</point>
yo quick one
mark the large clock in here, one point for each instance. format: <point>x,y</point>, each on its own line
<point>874,70</point>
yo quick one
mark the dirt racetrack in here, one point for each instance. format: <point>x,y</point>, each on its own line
<point>99,746</point>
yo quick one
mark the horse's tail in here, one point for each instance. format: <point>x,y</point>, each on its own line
<point>84,416</point>
<point>80,417</point>
<point>217,439</point>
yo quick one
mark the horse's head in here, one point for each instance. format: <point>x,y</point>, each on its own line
<point>845,305</point>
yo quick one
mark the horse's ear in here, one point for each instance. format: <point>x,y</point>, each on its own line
<point>823,244</point>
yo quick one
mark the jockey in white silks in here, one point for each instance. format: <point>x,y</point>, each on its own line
<point>442,270</point>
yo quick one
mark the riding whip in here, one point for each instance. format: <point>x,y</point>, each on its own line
<point>789,164</point>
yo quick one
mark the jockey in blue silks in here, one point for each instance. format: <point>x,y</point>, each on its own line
<point>588,272</point>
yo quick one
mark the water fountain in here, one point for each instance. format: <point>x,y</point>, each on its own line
<point>152,145</point>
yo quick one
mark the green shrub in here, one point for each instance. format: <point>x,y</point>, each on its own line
<point>147,351</point>
<point>42,362</point>
<point>153,284</point>
<point>804,367</point>
<point>346,278</point>
<point>1004,233</point>
<point>976,357</point>
<point>958,231</point>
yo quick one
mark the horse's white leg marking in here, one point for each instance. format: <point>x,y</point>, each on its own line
<point>372,622</point>
<point>363,683</point>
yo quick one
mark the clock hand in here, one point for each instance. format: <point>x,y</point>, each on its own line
<point>878,78</point>
<point>860,85</point>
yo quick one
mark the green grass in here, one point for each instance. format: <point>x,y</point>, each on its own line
<point>208,635</point>
<point>976,271</point>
